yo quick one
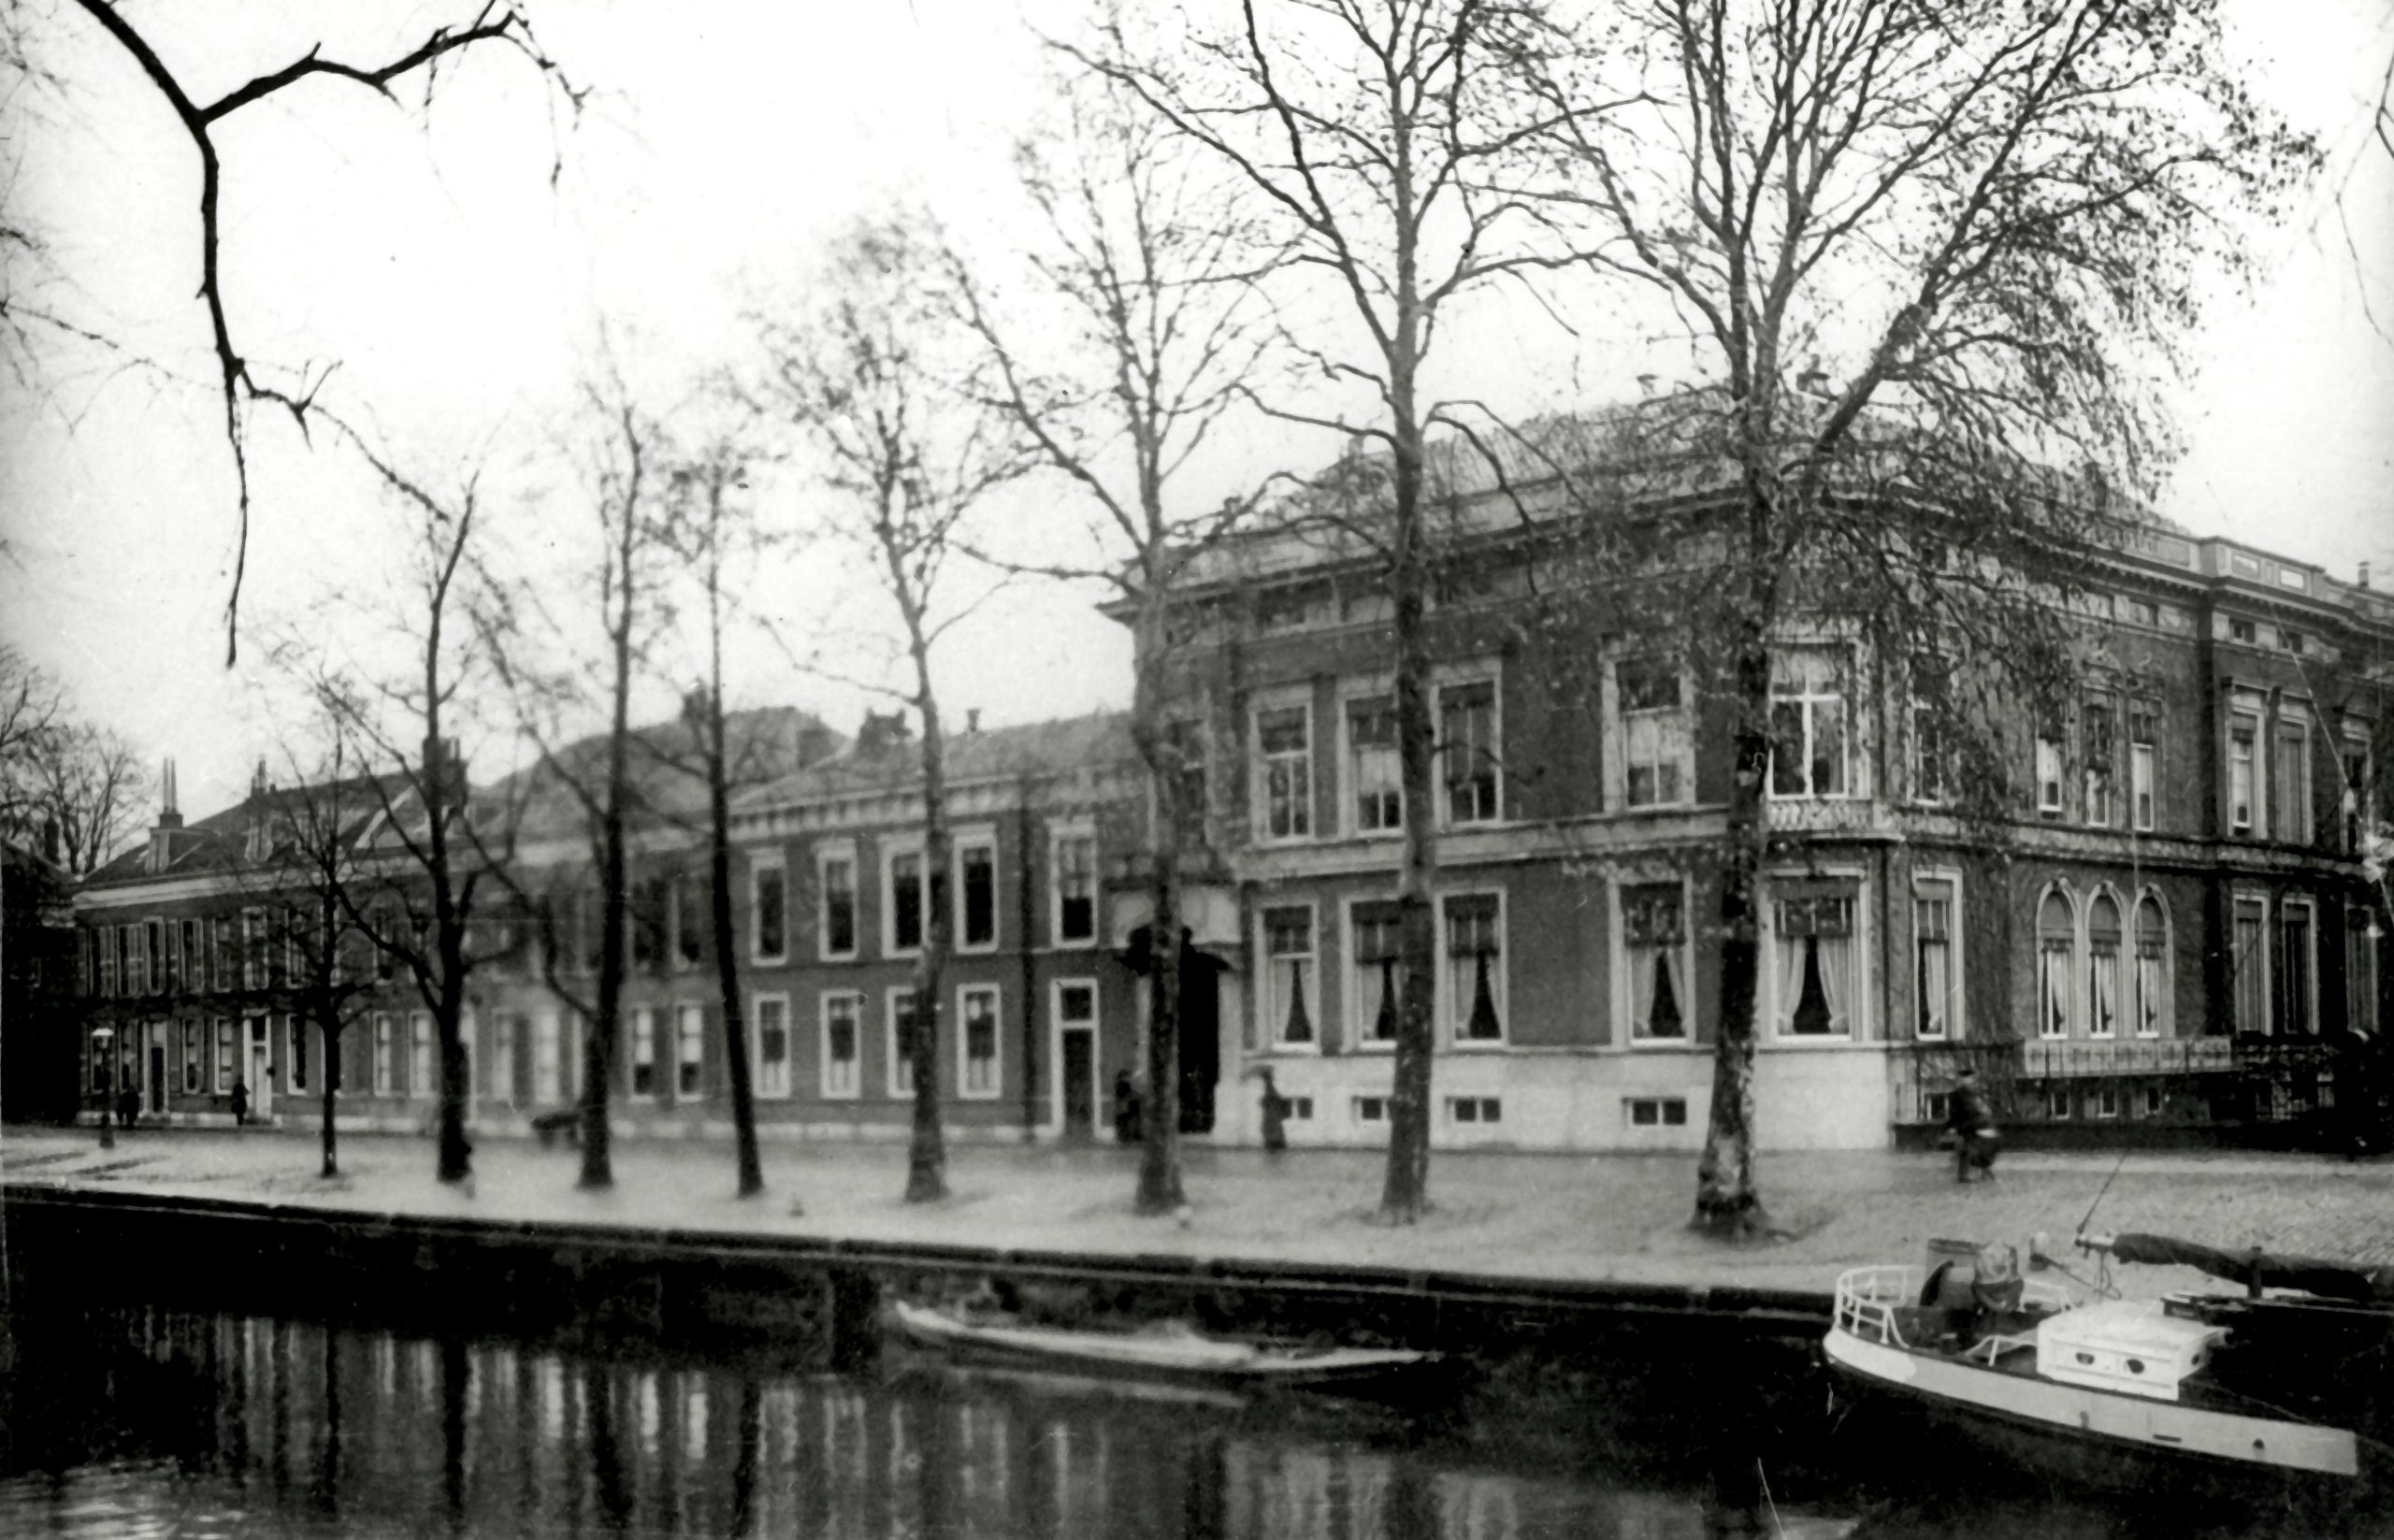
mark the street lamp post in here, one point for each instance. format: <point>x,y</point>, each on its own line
<point>103,1038</point>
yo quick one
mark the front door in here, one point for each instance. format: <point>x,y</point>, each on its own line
<point>261,1070</point>
<point>1201,1040</point>
<point>1079,1066</point>
<point>157,1086</point>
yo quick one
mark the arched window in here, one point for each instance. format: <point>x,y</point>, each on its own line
<point>2057,964</point>
<point>2103,992</point>
<point>2153,1005</point>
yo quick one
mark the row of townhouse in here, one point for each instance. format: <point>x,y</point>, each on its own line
<point>2173,928</point>
<point>196,962</point>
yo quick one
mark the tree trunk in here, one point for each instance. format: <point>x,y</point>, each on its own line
<point>329,1037</point>
<point>727,950</point>
<point>1405,1192</point>
<point>927,1151</point>
<point>1161,1189</point>
<point>1728,1201</point>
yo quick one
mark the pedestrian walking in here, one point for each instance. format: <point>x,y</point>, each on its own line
<point>1127,1122</point>
<point>240,1103</point>
<point>128,1103</point>
<point>1276,1112</point>
<point>1973,1127</point>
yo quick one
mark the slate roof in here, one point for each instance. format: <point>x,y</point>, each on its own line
<point>218,842</point>
<point>990,754</point>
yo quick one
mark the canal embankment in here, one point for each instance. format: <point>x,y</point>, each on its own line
<point>1518,1247</point>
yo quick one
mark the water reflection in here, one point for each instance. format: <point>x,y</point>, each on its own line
<point>143,1421</point>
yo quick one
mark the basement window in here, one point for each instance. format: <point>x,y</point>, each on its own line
<point>1371,1109</point>
<point>1646,1112</point>
<point>1475,1109</point>
<point>1301,1108</point>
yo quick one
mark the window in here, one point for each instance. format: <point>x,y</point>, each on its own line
<point>502,1055</point>
<point>773,1046</point>
<point>1937,983</point>
<point>1475,992</point>
<point>420,1054</point>
<point>836,875</point>
<point>194,1055</point>
<point>2291,640</point>
<point>904,1022</point>
<point>2296,963</point>
<point>2106,1101</point>
<point>1654,732</point>
<point>978,1041</point>
<point>1475,1109</point>
<point>2095,722</point>
<point>1373,769</point>
<point>2143,749</point>
<point>977,877</point>
<point>1371,1109</point>
<point>2153,1002</point>
<point>2102,966</point>
<point>692,918</point>
<point>571,1031</point>
<point>2244,734</point>
<point>544,1057</point>
<point>652,907</point>
<point>690,1045</point>
<point>2361,971</point>
<point>1374,979</point>
<point>1468,752</point>
<point>1075,888</point>
<point>195,957</point>
<point>2354,762</point>
<point>1651,1111</point>
<point>2248,949</point>
<point>153,941</point>
<point>223,1056</point>
<point>106,948</point>
<point>2240,630</point>
<point>769,910</point>
<point>2049,773</point>
<point>2144,611</point>
<point>1813,928</point>
<point>644,1053</point>
<point>1810,752</point>
<point>294,1053</point>
<point>2057,965</point>
<point>1288,985</point>
<point>906,901</point>
<point>386,1068</point>
<point>2151,1100</point>
<point>1654,934</point>
<point>2057,1103</point>
<point>1284,739</point>
<point>1932,698</point>
<point>840,1076</point>
<point>2290,811</point>
<point>128,948</point>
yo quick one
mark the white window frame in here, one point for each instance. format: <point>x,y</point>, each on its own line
<point>892,851</point>
<point>2073,964</point>
<point>1624,1003</point>
<point>1059,836</point>
<point>2122,953</point>
<point>2264,961</point>
<point>194,1034</point>
<point>643,1025</point>
<point>768,1086</point>
<point>1489,672</point>
<point>2300,820</point>
<point>1272,1008</point>
<point>502,1055</point>
<point>762,863</point>
<point>2287,905</point>
<point>689,1051</point>
<point>976,837</point>
<point>1449,1013</point>
<point>1857,1014</point>
<point>2361,962</point>
<point>2099,781</point>
<point>420,1054</point>
<point>1618,717</point>
<point>2145,766</point>
<point>965,1088</point>
<point>2354,740</point>
<point>898,1083</point>
<point>548,1056</point>
<point>2250,819</point>
<point>253,958</point>
<point>1855,756</point>
<point>1271,703</point>
<point>2165,1018</point>
<point>827,855</point>
<point>1954,1027</point>
<point>1350,813</point>
<point>835,1086</point>
<point>385,1077</point>
<point>1359,1039</point>
<point>294,1054</point>
<point>2049,775</point>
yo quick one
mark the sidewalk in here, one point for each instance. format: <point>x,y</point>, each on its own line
<point>1551,1216</point>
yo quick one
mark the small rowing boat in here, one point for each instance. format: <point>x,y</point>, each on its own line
<point>1174,1352</point>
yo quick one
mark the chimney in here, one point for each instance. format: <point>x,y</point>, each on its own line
<point>2364,574</point>
<point>972,719</point>
<point>171,820</point>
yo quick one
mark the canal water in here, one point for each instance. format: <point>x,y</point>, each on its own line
<point>124,1420</point>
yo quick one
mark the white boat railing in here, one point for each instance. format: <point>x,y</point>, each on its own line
<point>1867,1299</point>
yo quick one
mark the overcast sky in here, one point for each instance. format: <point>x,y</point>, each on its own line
<point>432,258</point>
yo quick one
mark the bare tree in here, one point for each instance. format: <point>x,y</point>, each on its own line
<point>871,382</point>
<point>492,25</point>
<point>89,787</point>
<point>1395,145</point>
<point>30,712</point>
<point>1139,248</point>
<point>1917,247</point>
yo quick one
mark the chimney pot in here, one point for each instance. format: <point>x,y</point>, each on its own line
<point>972,719</point>
<point>2364,574</point>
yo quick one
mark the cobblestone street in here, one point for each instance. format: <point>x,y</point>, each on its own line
<point>1567,1218</point>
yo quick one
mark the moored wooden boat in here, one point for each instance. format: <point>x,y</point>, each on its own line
<point>1170,1353</point>
<point>2108,1389</point>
